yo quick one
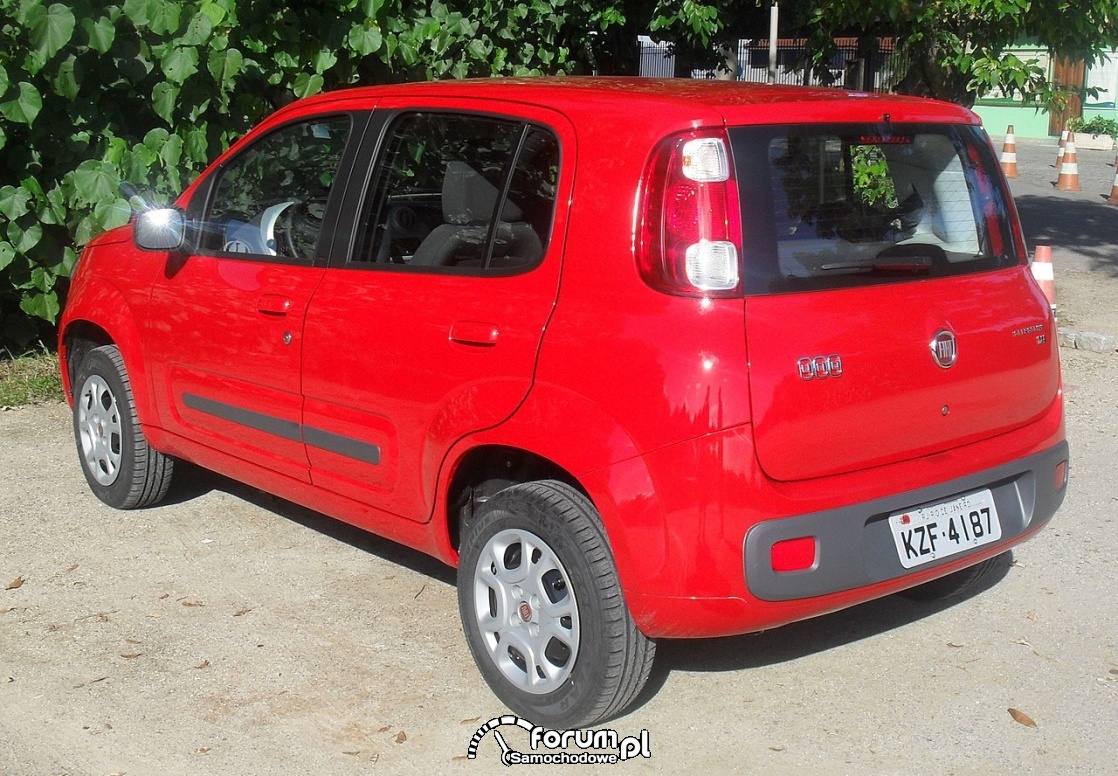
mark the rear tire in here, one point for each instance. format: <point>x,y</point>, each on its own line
<point>954,584</point>
<point>120,466</point>
<point>542,608</point>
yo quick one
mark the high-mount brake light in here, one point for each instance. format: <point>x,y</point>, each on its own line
<point>689,228</point>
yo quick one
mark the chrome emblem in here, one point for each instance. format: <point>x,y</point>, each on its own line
<point>944,348</point>
<point>820,367</point>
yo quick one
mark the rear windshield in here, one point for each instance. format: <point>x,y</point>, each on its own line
<point>835,206</point>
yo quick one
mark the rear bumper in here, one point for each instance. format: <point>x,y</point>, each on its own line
<point>855,545</point>
<point>702,563</point>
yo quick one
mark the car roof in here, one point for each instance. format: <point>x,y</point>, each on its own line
<point>734,101</point>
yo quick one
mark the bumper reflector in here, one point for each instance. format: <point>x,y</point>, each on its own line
<point>794,554</point>
<point>1061,475</point>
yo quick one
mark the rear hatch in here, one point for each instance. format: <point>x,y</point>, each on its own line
<point>889,311</point>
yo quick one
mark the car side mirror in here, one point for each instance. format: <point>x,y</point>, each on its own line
<point>163,229</point>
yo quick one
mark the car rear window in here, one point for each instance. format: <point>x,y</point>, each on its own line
<point>835,206</point>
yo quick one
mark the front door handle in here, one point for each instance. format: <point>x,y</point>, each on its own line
<point>273,304</point>
<point>474,333</point>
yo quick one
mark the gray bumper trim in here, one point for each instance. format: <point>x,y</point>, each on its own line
<point>854,544</point>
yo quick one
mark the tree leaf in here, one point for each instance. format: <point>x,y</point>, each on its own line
<point>306,85</point>
<point>164,98</point>
<point>65,81</point>
<point>99,34</point>
<point>364,40</point>
<point>94,183</point>
<point>14,202</point>
<point>1022,718</point>
<point>24,108</point>
<point>179,63</point>
<point>7,254</point>
<point>50,28</point>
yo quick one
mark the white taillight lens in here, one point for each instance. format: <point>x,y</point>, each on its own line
<point>689,234</point>
<point>712,265</point>
<point>705,160</point>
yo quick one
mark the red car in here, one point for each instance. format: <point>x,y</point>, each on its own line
<point>643,359</point>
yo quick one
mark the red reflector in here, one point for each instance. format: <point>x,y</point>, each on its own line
<point>794,554</point>
<point>1061,474</point>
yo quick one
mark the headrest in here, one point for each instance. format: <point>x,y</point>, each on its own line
<point>468,198</point>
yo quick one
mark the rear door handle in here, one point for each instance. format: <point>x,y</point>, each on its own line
<point>474,333</point>
<point>273,304</point>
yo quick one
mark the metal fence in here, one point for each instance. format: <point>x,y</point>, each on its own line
<point>877,72</point>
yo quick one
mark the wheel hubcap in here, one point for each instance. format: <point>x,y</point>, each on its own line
<point>526,611</point>
<point>99,430</point>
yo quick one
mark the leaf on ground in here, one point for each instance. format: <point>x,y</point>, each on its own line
<point>401,737</point>
<point>133,641</point>
<point>242,612</point>
<point>165,595</point>
<point>203,664</point>
<point>91,681</point>
<point>15,583</point>
<point>193,603</point>
<point>1114,670</point>
<point>470,720</point>
<point>72,567</point>
<point>8,679</point>
<point>130,655</point>
<point>1022,718</point>
<point>953,645</point>
<point>384,729</point>
<point>1033,616</point>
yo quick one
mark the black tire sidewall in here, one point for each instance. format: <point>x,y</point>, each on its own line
<point>102,362</point>
<point>522,510</point>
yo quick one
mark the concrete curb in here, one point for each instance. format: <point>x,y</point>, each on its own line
<point>1086,340</point>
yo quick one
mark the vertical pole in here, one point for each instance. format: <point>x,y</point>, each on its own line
<point>774,13</point>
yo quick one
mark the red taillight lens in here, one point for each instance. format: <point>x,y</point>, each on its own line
<point>794,554</point>
<point>689,230</point>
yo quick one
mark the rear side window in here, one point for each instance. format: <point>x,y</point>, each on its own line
<point>842,206</point>
<point>460,193</point>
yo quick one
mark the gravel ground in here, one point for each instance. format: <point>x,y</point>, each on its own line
<point>227,632</point>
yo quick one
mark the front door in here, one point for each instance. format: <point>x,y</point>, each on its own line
<point>225,353</point>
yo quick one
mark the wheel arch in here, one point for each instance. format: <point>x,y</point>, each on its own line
<point>99,315</point>
<point>561,436</point>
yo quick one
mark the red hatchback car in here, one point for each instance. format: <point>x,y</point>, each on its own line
<point>643,359</point>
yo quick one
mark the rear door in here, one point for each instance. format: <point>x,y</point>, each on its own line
<point>889,312</point>
<point>226,348</point>
<point>428,326</point>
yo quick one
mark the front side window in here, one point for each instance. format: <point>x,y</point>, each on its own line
<point>827,207</point>
<point>271,198</point>
<point>461,194</point>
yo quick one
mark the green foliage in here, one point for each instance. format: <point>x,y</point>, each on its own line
<point>1097,125</point>
<point>109,106</point>
<point>871,179</point>
<point>955,49</point>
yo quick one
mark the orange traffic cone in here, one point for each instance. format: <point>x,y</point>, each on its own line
<point>1042,271</point>
<point>1069,168</point>
<point>1009,154</point>
<point>1113,198</point>
<point>1062,148</point>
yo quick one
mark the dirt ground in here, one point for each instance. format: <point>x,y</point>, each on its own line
<point>229,633</point>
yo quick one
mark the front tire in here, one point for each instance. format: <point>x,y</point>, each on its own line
<point>122,469</point>
<point>542,608</point>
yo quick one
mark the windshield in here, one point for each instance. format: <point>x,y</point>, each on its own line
<point>845,205</point>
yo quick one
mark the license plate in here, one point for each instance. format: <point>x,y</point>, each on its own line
<point>948,528</point>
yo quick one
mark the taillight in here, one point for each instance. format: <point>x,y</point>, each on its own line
<point>689,231</point>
